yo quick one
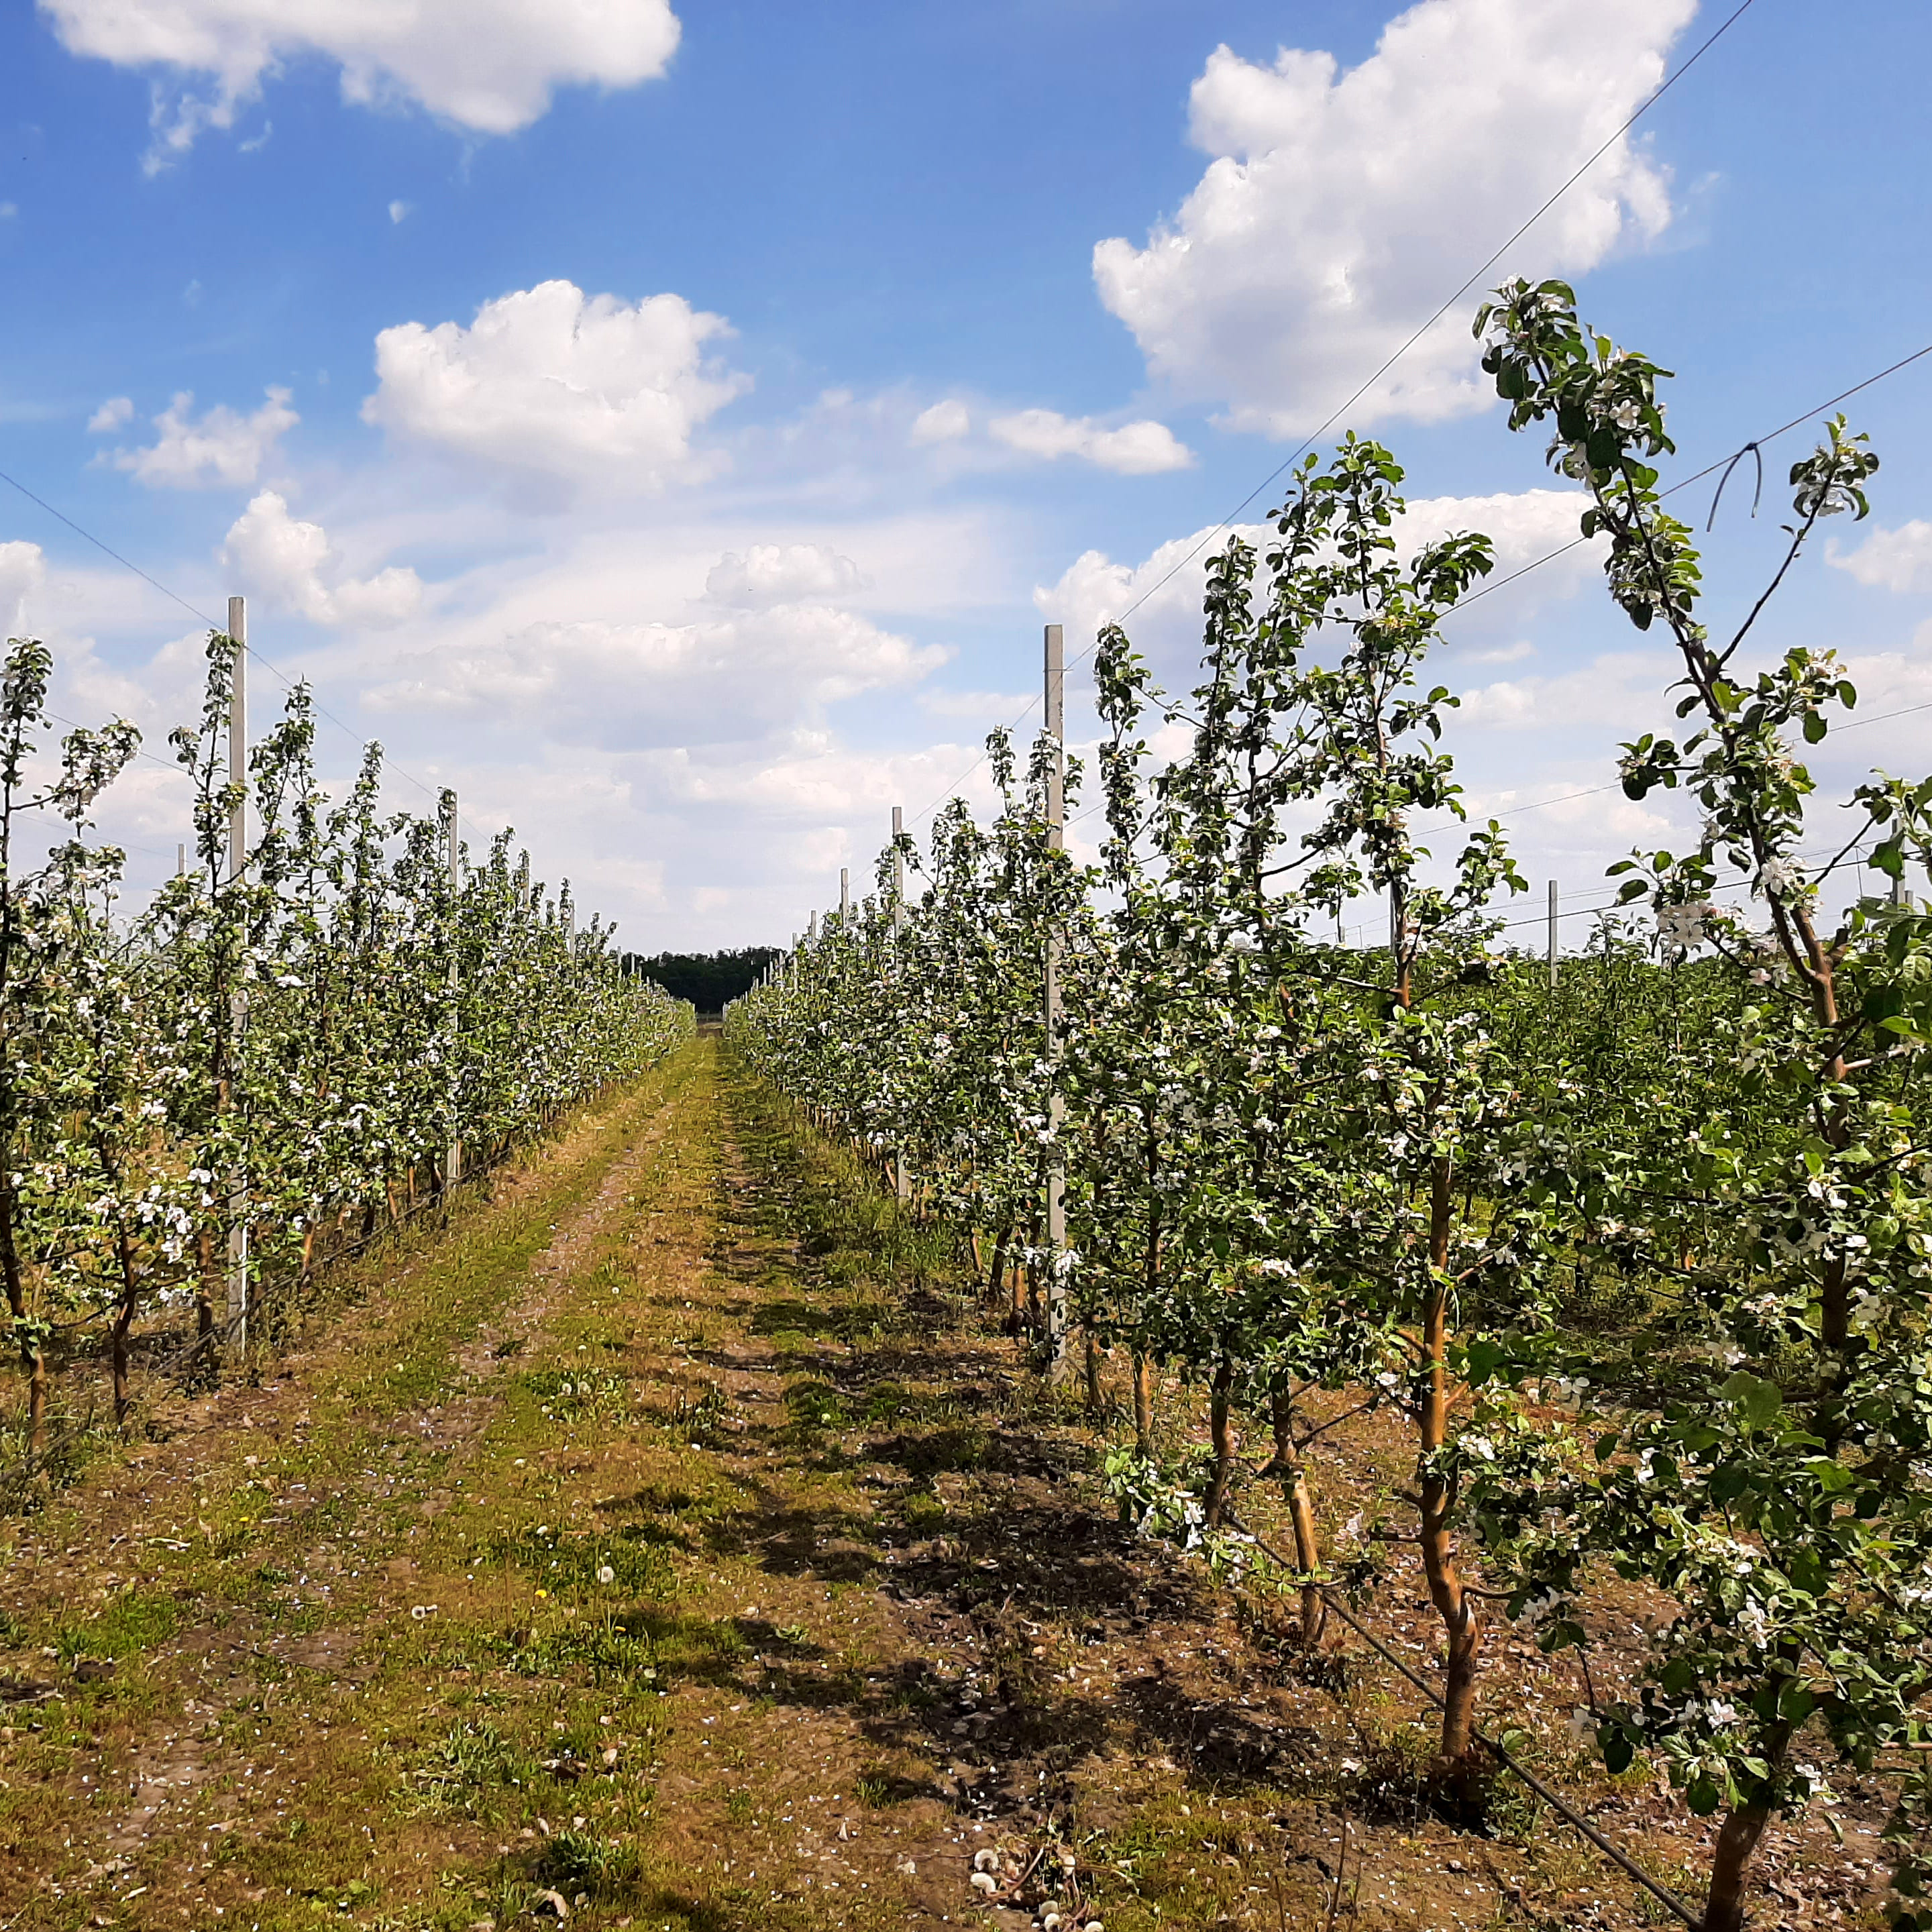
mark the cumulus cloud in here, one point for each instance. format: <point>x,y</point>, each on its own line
<point>1899,560</point>
<point>288,564</point>
<point>224,447</point>
<point>22,571</point>
<point>1339,207</point>
<point>635,686</point>
<point>944,422</point>
<point>586,388</point>
<point>115,413</point>
<point>1135,449</point>
<point>770,573</point>
<point>489,66</point>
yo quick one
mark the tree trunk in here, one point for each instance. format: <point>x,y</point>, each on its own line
<point>33,1357</point>
<point>1308,1554</point>
<point>1221,1435</point>
<point>1462,1626</point>
<point>1737,1844</point>
<point>204,1300</point>
<point>1143,1405</point>
<point>1286,1463</point>
<point>123,1320</point>
<point>1092,1373</point>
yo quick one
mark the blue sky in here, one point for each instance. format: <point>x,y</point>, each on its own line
<point>671,424</point>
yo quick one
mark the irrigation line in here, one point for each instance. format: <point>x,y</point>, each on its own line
<point>1626,1864</point>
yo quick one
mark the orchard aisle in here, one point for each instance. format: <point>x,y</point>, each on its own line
<point>514,1589</point>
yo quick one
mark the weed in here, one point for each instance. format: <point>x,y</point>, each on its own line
<point>468,1758</point>
<point>566,1395</point>
<point>816,1406</point>
<point>627,1562</point>
<point>134,1622</point>
<point>923,1511</point>
<point>700,1418</point>
<point>605,1653</point>
<point>576,1862</point>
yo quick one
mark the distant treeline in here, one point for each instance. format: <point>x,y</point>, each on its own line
<point>706,979</point>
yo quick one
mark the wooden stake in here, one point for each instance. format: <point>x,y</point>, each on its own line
<point>1552,935</point>
<point>902,1179</point>
<point>1055,695</point>
<point>452,1158</point>
<point>237,999</point>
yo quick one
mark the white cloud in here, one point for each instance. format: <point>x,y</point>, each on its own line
<point>944,422</point>
<point>489,66</point>
<point>632,686</point>
<point>23,571</point>
<point>550,380</point>
<point>1135,449</point>
<point>8,209</point>
<point>1899,560</point>
<point>1339,208</point>
<point>398,211</point>
<point>770,573</point>
<point>288,563</point>
<point>115,413</point>
<point>222,448</point>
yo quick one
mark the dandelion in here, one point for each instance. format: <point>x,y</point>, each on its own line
<point>605,1574</point>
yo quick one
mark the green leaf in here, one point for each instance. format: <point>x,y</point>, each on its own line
<point>1756,1401</point>
<point>1796,1704</point>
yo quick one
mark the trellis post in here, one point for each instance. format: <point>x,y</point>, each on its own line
<point>1552,935</point>
<point>902,1179</point>
<point>844,897</point>
<point>452,1158</point>
<point>1055,695</point>
<point>238,997</point>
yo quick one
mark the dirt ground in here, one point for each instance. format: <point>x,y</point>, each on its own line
<point>652,1548</point>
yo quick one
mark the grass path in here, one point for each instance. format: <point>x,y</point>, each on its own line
<point>485,1601</point>
<point>659,1547</point>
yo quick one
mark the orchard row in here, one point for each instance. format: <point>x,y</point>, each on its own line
<point>1641,1260</point>
<point>302,1036</point>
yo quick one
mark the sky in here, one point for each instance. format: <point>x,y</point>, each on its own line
<point>670,424</point>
